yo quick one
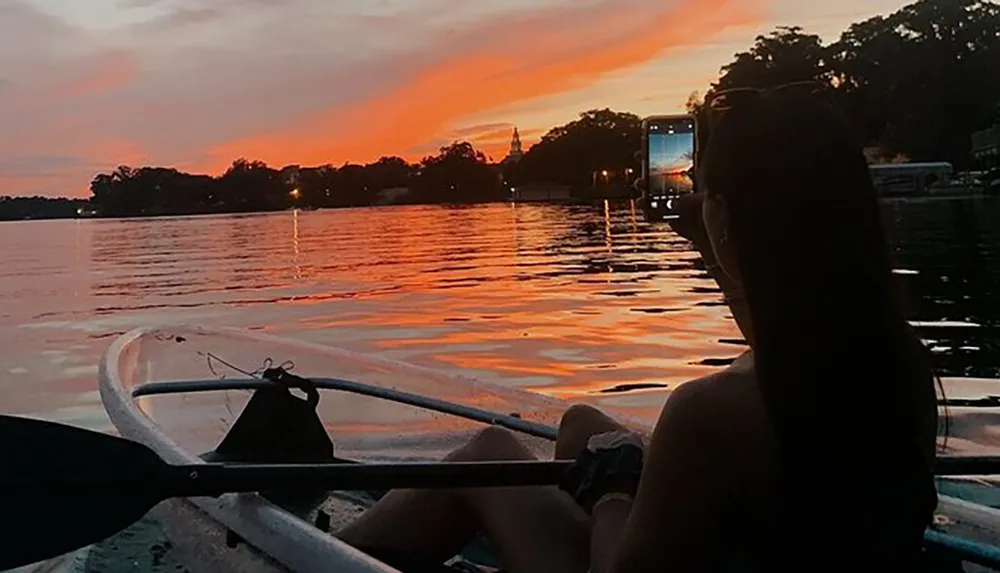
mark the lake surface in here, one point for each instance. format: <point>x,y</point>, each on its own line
<point>568,301</point>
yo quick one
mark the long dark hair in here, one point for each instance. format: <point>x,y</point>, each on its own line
<point>847,383</point>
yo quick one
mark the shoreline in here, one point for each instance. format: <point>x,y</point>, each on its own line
<point>570,201</point>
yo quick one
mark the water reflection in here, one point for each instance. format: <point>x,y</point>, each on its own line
<point>295,244</point>
<point>949,250</point>
<point>567,300</point>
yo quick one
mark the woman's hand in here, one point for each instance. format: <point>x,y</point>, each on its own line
<point>613,439</point>
<point>690,224</point>
<point>623,485</point>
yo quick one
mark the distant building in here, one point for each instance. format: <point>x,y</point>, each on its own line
<point>986,145</point>
<point>986,152</point>
<point>516,153</point>
<point>904,179</point>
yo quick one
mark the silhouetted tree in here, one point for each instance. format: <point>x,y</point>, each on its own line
<point>20,208</point>
<point>389,172</point>
<point>457,174</point>
<point>916,82</point>
<point>570,154</point>
<point>252,186</point>
<point>104,191</point>
<point>920,80</point>
<point>786,55</point>
<point>318,186</point>
<point>352,184</point>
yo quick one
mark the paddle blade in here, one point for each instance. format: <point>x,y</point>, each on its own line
<point>63,488</point>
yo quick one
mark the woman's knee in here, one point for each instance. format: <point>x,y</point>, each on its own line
<point>492,443</point>
<point>578,424</point>
<point>581,415</point>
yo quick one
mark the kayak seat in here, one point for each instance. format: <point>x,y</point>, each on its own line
<point>277,427</point>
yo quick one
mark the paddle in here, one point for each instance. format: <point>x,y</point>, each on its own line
<point>62,487</point>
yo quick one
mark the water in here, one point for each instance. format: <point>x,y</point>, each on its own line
<point>568,301</point>
<point>949,254</point>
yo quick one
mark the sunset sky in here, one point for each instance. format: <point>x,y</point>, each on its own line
<point>86,85</point>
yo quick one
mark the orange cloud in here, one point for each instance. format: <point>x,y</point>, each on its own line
<point>39,174</point>
<point>550,52</point>
<point>111,70</point>
<point>493,139</point>
<point>504,135</point>
<point>496,143</point>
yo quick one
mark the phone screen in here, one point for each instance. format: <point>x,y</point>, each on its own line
<point>670,153</point>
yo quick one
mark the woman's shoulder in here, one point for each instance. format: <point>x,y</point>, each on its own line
<point>733,386</point>
<point>725,407</point>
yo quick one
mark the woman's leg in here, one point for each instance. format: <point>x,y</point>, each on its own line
<point>435,523</point>
<point>578,424</point>
<point>534,528</point>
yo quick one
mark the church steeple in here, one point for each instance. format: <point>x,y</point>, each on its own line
<point>516,153</point>
<point>515,145</point>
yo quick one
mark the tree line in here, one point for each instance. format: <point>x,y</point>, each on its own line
<point>21,208</point>
<point>915,84</point>
<point>457,174</point>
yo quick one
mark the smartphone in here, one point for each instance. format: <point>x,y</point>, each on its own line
<point>668,166</point>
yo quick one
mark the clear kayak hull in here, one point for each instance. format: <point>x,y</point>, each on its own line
<point>183,425</point>
<point>166,387</point>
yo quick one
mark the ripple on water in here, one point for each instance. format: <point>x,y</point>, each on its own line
<point>597,299</point>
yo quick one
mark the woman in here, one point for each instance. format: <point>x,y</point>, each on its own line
<point>814,450</point>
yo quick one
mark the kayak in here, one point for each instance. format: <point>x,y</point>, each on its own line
<point>197,395</point>
<point>164,387</point>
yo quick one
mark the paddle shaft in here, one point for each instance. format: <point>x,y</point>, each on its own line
<point>213,480</point>
<point>967,466</point>
<point>217,479</point>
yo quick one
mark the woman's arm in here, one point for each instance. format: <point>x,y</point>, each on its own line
<point>684,483</point>
<point>608,520</point>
